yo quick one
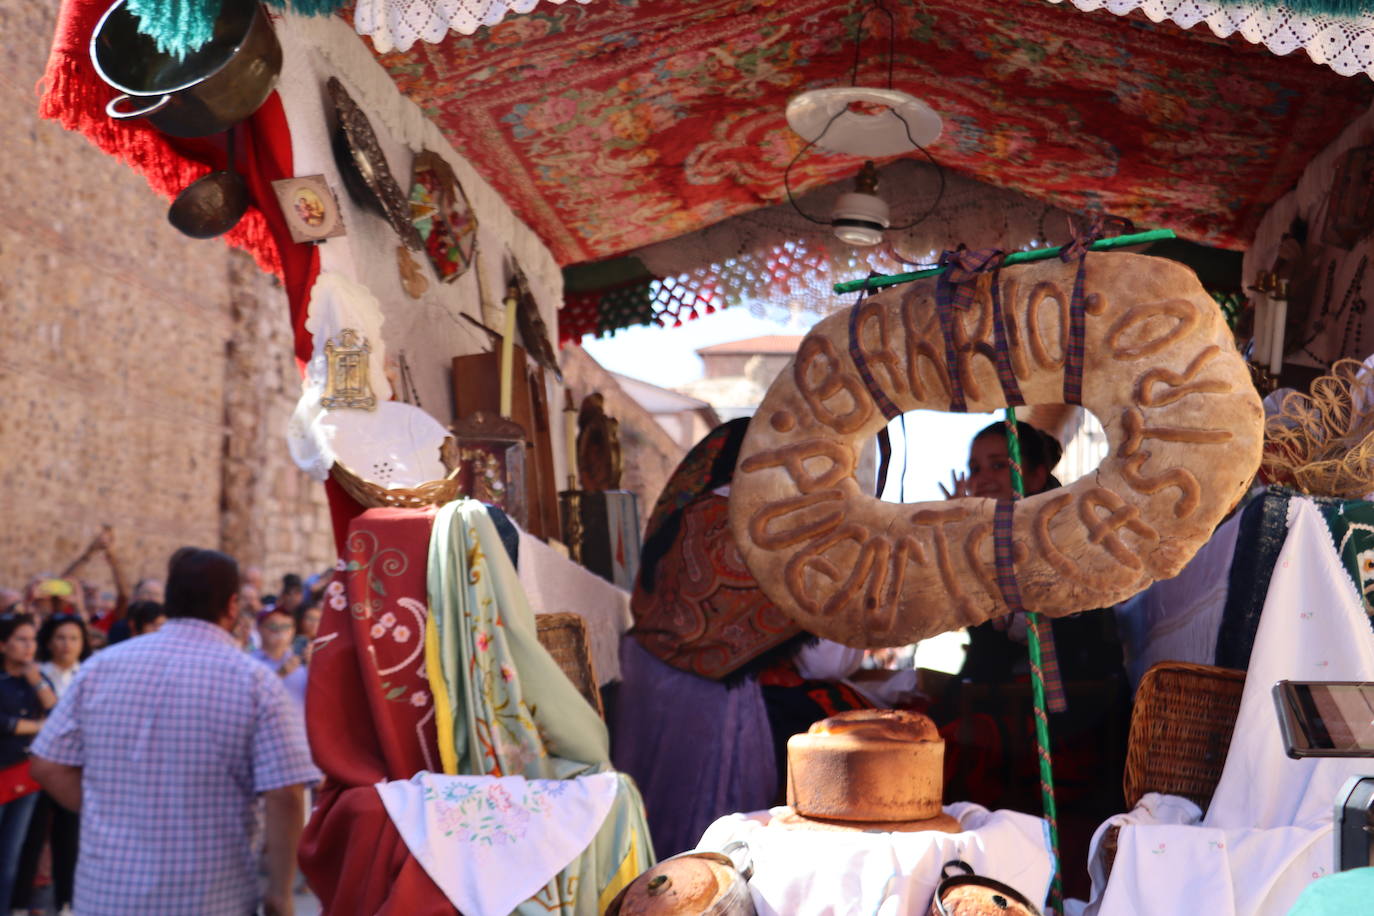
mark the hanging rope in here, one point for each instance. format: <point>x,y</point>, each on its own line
<point>1034,633</point>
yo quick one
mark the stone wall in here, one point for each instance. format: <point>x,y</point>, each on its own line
<point>144,377</point>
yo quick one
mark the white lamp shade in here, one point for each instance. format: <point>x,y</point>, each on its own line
<point>884,133</point>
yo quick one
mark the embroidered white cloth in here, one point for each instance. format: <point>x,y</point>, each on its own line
<point>490,843</point>
<point>1343,43</point>
<point>826,872</point>
<point>1267,832</point>
<point>396,24</point>
<point>555,585</point>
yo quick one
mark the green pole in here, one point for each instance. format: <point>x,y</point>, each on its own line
<point>1042,724</point>
<point>1016,257</point>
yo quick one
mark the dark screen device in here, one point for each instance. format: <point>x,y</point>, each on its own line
<point>1326,718</point>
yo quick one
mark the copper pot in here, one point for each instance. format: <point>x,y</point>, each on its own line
<point>206,92</point>
<point>970,893</point>
<point>690,884</point>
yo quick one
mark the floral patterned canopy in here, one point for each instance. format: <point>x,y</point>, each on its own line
<point>624,122</point>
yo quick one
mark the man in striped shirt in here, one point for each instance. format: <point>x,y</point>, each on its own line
<point>164,743</point>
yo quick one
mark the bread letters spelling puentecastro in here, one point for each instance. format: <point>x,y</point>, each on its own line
<point>1159,370</point>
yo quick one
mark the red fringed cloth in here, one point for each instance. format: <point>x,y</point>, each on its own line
<point>371,719</point>
<point>73,95</point>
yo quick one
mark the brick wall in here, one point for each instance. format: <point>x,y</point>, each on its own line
<point>127,354</point>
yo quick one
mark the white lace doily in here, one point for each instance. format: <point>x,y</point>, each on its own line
<point>396,24</point>
<point>336,302</point>
<point>1346,45</point>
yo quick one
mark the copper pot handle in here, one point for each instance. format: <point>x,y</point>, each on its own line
<point>113,110</point>
<point>956,863</point>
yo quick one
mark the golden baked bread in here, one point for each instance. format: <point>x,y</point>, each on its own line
<point>1160,371</point>
<point>867,765</point>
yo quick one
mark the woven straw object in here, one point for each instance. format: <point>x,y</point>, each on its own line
<point>1323,443</point>
<point>374,496</point>
<point>564,636</point>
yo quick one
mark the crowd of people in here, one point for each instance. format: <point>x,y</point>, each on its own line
<point>53,627</point>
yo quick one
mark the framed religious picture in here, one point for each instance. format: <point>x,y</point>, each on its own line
<point>310,207</point>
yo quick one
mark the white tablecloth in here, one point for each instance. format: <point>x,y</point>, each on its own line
<point>829,873</point>
<point>1267,831</point>
<point>555,585</point>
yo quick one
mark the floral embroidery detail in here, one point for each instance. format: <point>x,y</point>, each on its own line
<point>483,641</point>
<point>335,587</point>
<point>419,698</point>
<point>1158,851</point>
<point>338,602</point>
<point>378,631</point>
<point>507,673</point>
<point>401,633</point>
<point>388,619</point>
<point>488,814</point>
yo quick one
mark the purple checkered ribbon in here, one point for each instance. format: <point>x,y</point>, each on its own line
<point>1078,248</point>
<point>955,289</point>
<point>1011,595</point>
<point>856,353</point>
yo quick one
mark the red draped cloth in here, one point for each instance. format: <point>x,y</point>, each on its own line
<point>370,717</point>
<point>75,96</point>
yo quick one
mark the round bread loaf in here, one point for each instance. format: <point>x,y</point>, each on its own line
<point>867,765</point>
<point>1160,370</point>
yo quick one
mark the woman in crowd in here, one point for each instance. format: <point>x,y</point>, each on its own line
<point>277,631</point>
<point>25,698</point>
<point>307,625</point>
<point>990,752</point>
<point>63,644</point>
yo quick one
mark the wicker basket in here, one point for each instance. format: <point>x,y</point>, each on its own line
<point>372,496</point>
<point>1180,731</point>
<point>564,636</point>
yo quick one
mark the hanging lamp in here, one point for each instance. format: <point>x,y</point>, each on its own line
<point>864,121</point>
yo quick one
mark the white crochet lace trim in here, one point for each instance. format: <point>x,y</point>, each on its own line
<point>396,24</point>
<point>1346,45</point>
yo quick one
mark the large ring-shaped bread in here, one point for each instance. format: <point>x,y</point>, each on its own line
<point>1160,371</point>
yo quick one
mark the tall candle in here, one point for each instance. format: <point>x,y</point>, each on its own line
<point>1259,351</point>
<point>1277,327</point>
<point>570,446</point>
<point>508,352</point>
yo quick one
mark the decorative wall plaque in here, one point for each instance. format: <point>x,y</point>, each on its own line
<point>347,383</point>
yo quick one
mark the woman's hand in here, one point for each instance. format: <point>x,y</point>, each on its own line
<point>33,675</point>
<point>290,665</point>
<point>960,483</point>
